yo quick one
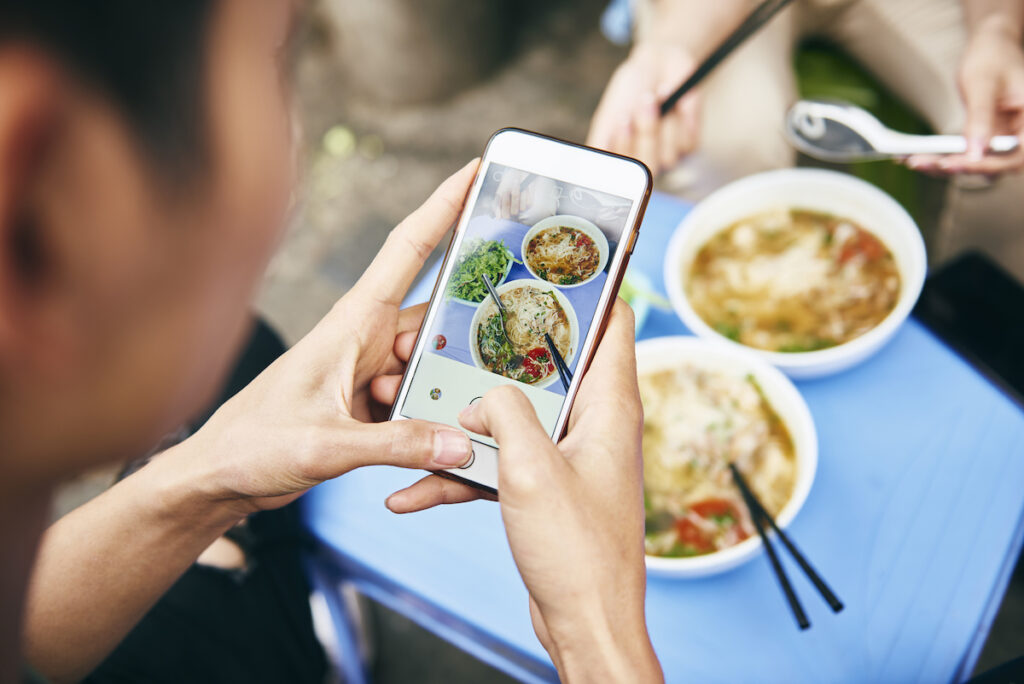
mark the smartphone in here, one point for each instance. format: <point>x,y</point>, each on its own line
<point>550,225</point>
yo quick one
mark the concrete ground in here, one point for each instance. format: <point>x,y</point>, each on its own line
<point>367,166</point>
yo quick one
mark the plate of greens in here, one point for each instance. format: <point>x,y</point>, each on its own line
<point>492,257</point>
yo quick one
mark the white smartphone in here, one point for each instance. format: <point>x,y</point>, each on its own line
<point>550,226</point>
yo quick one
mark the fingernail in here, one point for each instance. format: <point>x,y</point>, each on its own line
<point>451,448</point>
<point>394,501</point>
<point>467,412</point>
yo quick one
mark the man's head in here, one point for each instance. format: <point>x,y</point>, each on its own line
<point>145,172</point>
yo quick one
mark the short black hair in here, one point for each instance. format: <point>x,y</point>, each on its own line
<point>145,56</point>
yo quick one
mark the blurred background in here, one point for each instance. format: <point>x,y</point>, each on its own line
<point>395,95</point>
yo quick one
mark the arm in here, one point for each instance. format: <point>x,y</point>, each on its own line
<point>696,25</point>
<point>680,34</point>
<point>305,419</point>
<point>102,566</point>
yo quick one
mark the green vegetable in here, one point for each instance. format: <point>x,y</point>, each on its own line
<point>812,344</point>
<point>497,352</point>
<point>491,257</point>
<point>730,330</point>
<point>723,519</point>
<point>662,521</point>
<point>680,550</point>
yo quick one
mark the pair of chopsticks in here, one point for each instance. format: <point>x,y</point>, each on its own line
<point>759,515</point>
<point>563,369</point>
<point>758,18</point>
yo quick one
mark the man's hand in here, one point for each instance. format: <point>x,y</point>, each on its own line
<point>627,119</point>
<point>992,87</point>
<point>309,416</point>
<point>573,512</point>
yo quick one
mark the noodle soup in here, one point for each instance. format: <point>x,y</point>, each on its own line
<point>697,421</point>
<point>791,280</point>
<point>523,354</point>
<point>562,255</point>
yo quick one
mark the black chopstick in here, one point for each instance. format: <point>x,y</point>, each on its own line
<point>780,573</point>
<point>759,515</point>
<point>826,592</point>
<point>563,370</point>
<point>758,18</point>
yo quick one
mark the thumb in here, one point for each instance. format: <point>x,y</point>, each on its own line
<point>404,443</point>
<point>524,446</point>
<point>980,102</point>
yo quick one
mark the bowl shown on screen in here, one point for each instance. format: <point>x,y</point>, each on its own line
<point>812,191</point>
<point>578,224</point>
<point>718,366</point>
<point>488,309</point>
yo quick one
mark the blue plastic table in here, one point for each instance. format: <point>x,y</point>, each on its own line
<point>916,519</point>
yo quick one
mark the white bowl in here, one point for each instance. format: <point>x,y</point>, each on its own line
<point>570,314</point>
<point>817,190</point>
<point>580,224</point>
<point>668,352</point>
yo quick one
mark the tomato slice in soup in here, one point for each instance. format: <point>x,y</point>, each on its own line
<point>691,535</point>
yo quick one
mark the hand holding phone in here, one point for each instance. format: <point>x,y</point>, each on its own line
<point>555,276</point>
<point>573,512</point>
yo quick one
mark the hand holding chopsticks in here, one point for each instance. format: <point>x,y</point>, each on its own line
<point>760,516</point>
<point>642,112</point>
<point>761,15</point>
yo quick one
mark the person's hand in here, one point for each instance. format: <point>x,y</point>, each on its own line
<point>512,201</point>
<point>627,119</point>
<point>308,417</point>
<point>573,513</point>
<point>992,87</point>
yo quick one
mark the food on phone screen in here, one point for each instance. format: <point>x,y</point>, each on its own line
<point>523,354</point>
<point>697,421</point>
<point>562,255</point>
<point>490,257</point>
<point>440,342</point>
<point>792,280</point>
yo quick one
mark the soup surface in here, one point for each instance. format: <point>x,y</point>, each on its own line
<point>697,421</point>
<point>523,355</point>
<point>793,281</point>
<point>562,255</point>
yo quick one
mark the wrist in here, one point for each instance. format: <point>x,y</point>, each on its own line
<point>179,489</point>
<point>605,650</point>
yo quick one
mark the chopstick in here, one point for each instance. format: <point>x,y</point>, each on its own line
<point>758,18</point>
<point>759,516</point>
<point>563,369</point>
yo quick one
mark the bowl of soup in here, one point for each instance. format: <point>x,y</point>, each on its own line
<point>707,405</point>
<point>813,270</point>
<point>565,251</point>
<point>519,350</point>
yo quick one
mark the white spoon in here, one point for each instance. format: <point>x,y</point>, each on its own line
<point>840,132</point>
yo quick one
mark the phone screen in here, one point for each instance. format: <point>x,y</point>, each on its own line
<point>546,245</point>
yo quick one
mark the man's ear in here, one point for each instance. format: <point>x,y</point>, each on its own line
<point>30,103</point>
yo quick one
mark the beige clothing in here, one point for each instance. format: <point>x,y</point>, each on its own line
<point>913,47</point>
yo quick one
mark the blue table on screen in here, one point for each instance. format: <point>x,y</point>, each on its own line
<point>915,518</point>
